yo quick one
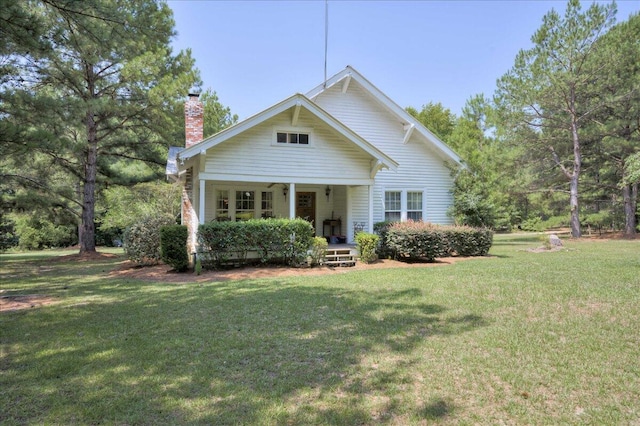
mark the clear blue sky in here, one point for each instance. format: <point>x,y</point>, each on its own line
<point>257,53</point>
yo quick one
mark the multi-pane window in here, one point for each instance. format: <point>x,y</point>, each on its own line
<point>245,205</point>
<point>267,204</point>
<point>392,206</point>
<point>293,138</point>
<point>222,205</point>
<point>414,205</point>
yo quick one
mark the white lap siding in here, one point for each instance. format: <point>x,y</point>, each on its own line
<point>421,167</point>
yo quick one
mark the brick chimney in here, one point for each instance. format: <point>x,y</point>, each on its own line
<point>193,120</point>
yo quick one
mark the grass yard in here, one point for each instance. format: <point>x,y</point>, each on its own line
<point>521,338</point>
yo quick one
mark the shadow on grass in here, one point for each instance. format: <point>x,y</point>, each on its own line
<point>226,353</point>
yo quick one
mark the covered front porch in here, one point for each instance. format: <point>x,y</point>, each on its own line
<point>337,211</point>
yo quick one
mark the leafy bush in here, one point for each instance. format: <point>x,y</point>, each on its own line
<point>422,240</point>
<point>319,247</point>
<point>468,241</point>
<point>416,240</point>
<point>36,232</point>
<point>383,250</point>
<point>142,239</point>
<point>173,246</point>
<point>367,244</point>
<point>276,241</point>
<point>532,225</point>
<point>8,236</point>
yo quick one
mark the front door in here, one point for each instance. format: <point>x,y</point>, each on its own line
<point>306,206</point>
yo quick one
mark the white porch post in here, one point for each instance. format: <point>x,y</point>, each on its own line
<point>201,203</point>
<point>292,201</point>
<point>350,231</point>
<point>370,219</point>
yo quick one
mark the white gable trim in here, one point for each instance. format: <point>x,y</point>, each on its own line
<point>403,116</point>
<point>296,101</point>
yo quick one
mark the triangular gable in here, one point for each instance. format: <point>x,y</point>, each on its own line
<point>297,101</point>
<point>410,122</point>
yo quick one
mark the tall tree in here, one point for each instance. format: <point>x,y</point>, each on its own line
<point>544,96</point>
<point>105,92</point>
<point>217,117</point>
<point>617,125</point>
<point>436,118</point>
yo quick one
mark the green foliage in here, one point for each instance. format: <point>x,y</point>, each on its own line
<point>8,236</point>
<point>436,118</point>
<point>423,240</point>
<point>533,224</point>
<point>547,99</point>
<point>142,239</point>
<point>367,245</point>
<point>98,96</point>
<point>173,246</point>
<point>468,241</point>
<point>37,232</point>
<point>275,240</point>
<point>383,249</point>
<point>217,117</point>
<point>123,205</point>
<point>318,250</point>
<point>417,240</point>
<point>632,169</point>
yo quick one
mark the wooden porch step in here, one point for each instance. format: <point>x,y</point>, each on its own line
<point>339,257</point>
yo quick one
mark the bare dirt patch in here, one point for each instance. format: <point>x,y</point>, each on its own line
<point>163,273</point>
<point>17,302</point>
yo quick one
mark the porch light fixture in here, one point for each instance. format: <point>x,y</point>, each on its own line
<point>285,191</point>
<point>327,192</point>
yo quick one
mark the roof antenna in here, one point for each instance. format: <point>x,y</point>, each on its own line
<point>326,38</point>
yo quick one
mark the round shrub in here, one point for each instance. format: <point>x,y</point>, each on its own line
<point>142,240</point>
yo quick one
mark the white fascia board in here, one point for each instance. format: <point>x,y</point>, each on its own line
<point>297,100</point>
<point>403,116</point>
<point>235,130</point>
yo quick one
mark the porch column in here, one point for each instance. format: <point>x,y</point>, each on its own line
<point>201,203</point>
<point>292,201</point>
<point>370,219</point>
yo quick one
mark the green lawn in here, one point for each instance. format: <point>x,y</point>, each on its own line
<point>520,338</point>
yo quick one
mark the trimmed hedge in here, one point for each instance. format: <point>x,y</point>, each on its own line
<point>173,246</point>
<point>417,240</point>
<point>468,241</point>
<point>422,240</point>
<point>275,240</point>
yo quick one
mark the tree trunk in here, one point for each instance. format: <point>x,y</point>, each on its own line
<point>87,227</point>
<point>573,203</point>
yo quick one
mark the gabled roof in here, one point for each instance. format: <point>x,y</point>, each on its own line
<point>297,100</point>
<point>403,116</point>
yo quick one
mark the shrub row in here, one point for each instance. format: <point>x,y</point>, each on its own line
<point>422,240</point>
<point>275,240</point>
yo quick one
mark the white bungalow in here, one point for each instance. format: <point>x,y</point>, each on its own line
<point>343,156</point>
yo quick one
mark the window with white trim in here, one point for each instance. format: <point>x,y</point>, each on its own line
<point>222,204</point>
<point>392,206</point>
<point>245,205</point>
<point>414,205</point>
<point>267,204</point>
<point>292,138</point>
